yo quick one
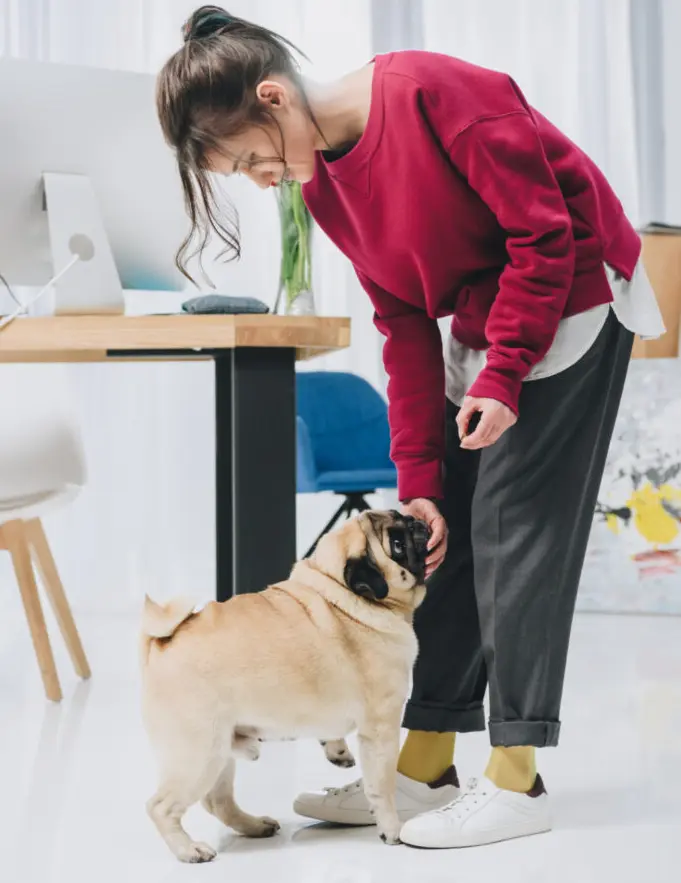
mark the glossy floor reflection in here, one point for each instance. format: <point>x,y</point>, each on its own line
<point>74,779</point>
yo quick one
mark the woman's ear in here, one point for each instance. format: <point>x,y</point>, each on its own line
<point>272,94</point>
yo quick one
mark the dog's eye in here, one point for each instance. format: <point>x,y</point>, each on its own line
<point>398,547</point>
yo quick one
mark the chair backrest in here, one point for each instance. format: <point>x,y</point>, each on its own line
<point>40,443</point>
<point>346,420</point>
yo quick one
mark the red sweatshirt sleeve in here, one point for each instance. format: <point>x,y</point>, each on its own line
<point>413,359</point>
<point>503,160</point>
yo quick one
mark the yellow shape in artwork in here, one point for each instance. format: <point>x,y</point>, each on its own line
<point>613,522</point>
<point>651,519</point>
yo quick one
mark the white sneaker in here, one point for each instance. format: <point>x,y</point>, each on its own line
<point>482,814</point>
<point>349,806</point>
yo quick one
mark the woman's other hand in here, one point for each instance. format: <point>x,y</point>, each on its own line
<point>495,419</point>
<point>426,510</point>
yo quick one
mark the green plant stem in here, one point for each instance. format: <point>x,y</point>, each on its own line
<point>296,231</point>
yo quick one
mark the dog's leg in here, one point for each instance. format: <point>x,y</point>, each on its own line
<point>338,753</point>
<point>220,802</point>
<point>379,745</point>
<point>178,791</point>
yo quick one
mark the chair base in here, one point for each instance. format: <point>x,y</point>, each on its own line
<point>354,502</point>
<point>27,544</point>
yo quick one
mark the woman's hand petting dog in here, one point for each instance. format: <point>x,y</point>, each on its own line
<point>426,510</point>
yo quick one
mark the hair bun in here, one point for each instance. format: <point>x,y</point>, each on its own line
<point>207,21</point>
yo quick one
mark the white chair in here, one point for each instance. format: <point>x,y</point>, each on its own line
<point>42,466</point>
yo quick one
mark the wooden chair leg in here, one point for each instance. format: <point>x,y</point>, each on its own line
<point>16,543</point>
<point>54,590</point>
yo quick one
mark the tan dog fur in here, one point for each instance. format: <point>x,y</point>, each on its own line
<point>305,658</point>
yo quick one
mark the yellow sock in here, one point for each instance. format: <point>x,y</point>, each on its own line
<point>426,756</point>
<point>513,769</point>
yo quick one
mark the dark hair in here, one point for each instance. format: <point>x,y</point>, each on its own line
<point>206,92</point>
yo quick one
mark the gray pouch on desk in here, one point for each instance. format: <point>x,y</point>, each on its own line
<point>222,303</point>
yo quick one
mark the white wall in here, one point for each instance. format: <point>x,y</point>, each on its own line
<point>671,12</point>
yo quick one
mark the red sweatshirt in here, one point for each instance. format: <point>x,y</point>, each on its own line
<point>461,200</point>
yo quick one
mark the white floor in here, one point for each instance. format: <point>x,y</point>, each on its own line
<point>74,778</point>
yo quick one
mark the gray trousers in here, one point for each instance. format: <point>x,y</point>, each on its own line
<point>498,611</point>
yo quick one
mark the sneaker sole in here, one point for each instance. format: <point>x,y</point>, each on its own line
<point>347,818</point>
<point>481,841</point>
<point>332,816</point>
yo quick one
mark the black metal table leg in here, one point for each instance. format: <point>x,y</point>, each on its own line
<point>255,469</point>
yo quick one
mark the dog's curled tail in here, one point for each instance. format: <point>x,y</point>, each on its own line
<point>163,620</point>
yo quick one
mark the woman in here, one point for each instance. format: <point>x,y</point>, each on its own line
<point>452,197</point>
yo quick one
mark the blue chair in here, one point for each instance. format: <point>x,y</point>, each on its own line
<point>343,440</point>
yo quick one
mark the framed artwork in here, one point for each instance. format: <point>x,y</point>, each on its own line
<point>633,563</point>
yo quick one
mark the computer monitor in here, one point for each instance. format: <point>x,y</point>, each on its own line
<point>82,155</point>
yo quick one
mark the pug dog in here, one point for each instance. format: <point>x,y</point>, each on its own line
<point>327,652</point>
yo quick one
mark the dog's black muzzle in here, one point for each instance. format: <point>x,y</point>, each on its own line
<point>420,534</point>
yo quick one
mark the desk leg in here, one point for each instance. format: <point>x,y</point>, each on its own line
<point>255,469</point>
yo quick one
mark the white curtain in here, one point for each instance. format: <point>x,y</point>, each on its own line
<point>573,59</point>
<point>647,29</point>
<point>670,21</point>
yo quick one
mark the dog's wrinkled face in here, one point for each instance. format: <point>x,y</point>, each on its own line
<point>383,557</point>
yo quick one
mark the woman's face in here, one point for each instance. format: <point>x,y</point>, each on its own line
<point>282,148</point>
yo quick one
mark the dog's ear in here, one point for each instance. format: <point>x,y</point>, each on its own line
<point>363,577</point>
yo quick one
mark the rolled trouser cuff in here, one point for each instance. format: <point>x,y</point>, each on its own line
<point>439,719</point>
<point>540,734</point>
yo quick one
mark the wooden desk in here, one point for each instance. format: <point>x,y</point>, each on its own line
<point>255,426</point>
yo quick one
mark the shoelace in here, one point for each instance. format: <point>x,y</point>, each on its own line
<point>346,789</point>
<point>464,803</point>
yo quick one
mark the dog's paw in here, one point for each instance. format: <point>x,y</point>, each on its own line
<point>245,748</point>
<point>389,831</point>
<point>251,752</point>
<point>338,753</point>
<point>262,827</point>
<point>345,763</point>
<point>391,839</point>
<point>196,853</point>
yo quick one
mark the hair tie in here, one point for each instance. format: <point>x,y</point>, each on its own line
<point>206,22</point>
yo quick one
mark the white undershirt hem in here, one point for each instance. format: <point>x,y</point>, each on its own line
<point>634,304</point>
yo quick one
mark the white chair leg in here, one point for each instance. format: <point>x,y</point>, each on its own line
<point>13,536</point>
<point>54,590</point>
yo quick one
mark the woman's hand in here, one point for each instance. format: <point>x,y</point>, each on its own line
<point>495,419</point>
<point>426,510</point>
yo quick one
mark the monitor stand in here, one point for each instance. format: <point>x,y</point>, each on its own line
<point>93,285</point>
